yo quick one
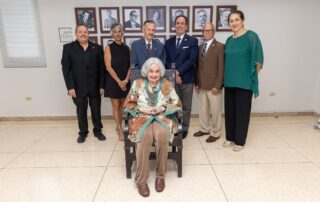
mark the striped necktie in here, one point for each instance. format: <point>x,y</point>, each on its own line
<point>178,43</point>
<point>204,50</point>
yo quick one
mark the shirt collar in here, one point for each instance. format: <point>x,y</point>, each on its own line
<point>148,41</point>
<point>181,37</point>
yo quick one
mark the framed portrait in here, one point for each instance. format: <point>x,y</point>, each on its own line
<point>65,34</point>
<point>87,16</point>
<point>132,19</point>
<point>200,39</point>
<point>223,12</point>
<point>176,11</point>
<point>201,15</point>
<point>162,38</point>
<point>108,17</point>
<point>128,40</point>
<point>105,41</point>
<point>93,39</point>
<point>158,15</point>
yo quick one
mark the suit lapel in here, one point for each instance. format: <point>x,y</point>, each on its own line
<point>211,48</point>
<point>144,47</point>
<point>154,47</point>
<point>183,43</point>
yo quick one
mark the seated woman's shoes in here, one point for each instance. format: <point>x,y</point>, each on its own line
<point>159,184</point>
<point>144,190</point>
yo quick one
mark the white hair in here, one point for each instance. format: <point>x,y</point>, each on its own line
<point>146,66</point>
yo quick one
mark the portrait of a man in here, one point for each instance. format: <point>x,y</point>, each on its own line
<point>108,17</point>
<point>222,17</point>
<point>132,17</point>
<point>158,15</point>
<point>201,15</point>
<point>86,16</point>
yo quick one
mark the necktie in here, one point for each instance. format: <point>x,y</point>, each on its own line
<point>204,50</point>
<point>149,49</point>
<point>178,42</point>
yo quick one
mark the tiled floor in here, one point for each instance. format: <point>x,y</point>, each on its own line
<point>41,161</point>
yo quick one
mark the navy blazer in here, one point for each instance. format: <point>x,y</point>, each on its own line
<point>185,57</point>
<point>139,53</point>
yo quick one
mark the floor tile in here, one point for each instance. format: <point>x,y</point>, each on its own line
<point>270,182</point>
<point>188,188</point>
<point>6,158</point>
<point>49,184</point>
<point>64,139</point>
<point>62,159</point>
<point>254,155</point>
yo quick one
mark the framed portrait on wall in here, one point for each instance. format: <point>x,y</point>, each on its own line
<point>175,11</point>
<point>223,12</point>
<point>201,15</point>
<point>200,39</point>
<point>158,15</point>
<point>161,38</point>
<point>108,17</point>
<point>128,40</point>
<point>93,39</point>
<point>65,34</point>
<point>132,19</point>
<point>87,16</point>
<point>105,41</point>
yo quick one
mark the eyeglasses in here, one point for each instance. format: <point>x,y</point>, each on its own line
<point>207,30</point>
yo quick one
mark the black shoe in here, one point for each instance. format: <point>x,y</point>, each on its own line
<point>100,136</point>
<point>81,139</point>
<point>184,134</point>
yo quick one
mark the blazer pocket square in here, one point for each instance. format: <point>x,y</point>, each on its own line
<point>184,47</point>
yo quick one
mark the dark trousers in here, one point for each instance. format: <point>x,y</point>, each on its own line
<point>237,103</point>
<point>185,91</point>
<point>82,107</point>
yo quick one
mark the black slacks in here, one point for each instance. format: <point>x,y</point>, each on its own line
<point>82,107</point>
<point>237,103</point>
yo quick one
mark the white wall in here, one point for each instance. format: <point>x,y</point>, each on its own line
<point>288,30</point>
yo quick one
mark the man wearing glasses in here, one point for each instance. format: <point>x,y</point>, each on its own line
<point>209,84</point>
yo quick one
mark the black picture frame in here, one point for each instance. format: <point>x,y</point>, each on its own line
<point>129,13</point>
<point>108,17</point>
<point>222,14</point>
<point>158,15</point>
<point>87,16</point>
<point>201,15</point>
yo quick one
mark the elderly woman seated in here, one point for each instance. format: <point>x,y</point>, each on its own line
<point>152,102</point>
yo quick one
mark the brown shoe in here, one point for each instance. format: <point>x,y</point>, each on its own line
<point>200,133</point>
<point>144,190</point>
<point>159,185</point>
<point>212,139</point>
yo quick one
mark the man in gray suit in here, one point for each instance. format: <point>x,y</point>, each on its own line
<point>147,47</point>
<point>209,84</point>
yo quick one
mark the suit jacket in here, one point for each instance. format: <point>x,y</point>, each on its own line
<point>210,68</point>
<point>108,22</point>
<point>127,24</point>
<point>83,71</point>
<point>139,52</point>
<point>185,57</point>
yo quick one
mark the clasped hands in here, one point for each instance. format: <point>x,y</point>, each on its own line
<point>123,85</point>
<point>152,110</point>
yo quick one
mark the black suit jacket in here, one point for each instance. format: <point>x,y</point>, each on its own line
<point>83,70</point>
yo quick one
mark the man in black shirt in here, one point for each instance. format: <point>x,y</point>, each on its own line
<point>83,72</point>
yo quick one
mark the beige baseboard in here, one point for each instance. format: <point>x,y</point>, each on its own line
<point>59,118</point>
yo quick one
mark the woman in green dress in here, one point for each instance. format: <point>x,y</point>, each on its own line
<point>243,62</point>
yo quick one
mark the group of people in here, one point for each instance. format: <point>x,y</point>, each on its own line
<point>152,100</point>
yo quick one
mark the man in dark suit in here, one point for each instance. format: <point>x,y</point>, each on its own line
<point>83,71</point>
<point>132,23</point>
<point>147,47</point>
<point>182,54</point>
<point>209,84</point>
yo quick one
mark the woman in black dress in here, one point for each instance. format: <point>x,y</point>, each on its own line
<point>117,61</point>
